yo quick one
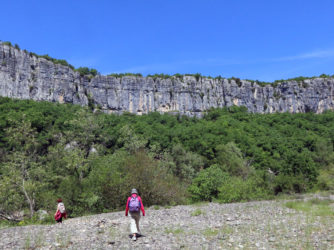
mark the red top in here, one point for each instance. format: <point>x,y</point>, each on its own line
<point>141,207</point>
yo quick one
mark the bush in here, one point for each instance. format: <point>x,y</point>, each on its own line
<point>184,165</point>
<point>84,71</point>
<point>49,219</point>
<point>326,179</point>
<point>237,189</point>
<point>177,75</point>
<point>51,59</point>
<point>290,184</point>
<point>197,76</point>
<point>155,185</point>
<point>237,81</point>
<point>230,157</point>
<point>197,212</point>
<point>205,185</point>
<point>7,43</point>
<point>160,76</point>
<point>106,181</point>
<point>120,75</point>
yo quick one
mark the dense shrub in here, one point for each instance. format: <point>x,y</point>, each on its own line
<point>237,189</point>
<point>86,71</point>
<point>161,76</point>
<point>119,75</point>
<point>326,178</point>
<point>205,186</point>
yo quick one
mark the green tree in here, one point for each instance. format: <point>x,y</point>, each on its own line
<point>11,198</point>
<point>129,140</point>
<point>237,189</point>
<point>154,183</point>
<point>230,157</point>
<point>85,130</point>
<point>23,170</point>
<point>206,185</point>
<point>70,175</point>
<point>183,164</point>
<point>83,71</point>
<point>106,181</point>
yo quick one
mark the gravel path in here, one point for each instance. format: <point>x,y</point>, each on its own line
<point>252,225</point>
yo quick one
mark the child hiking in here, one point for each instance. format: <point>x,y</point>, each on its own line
<point>60,212</point>
<point>133,205</point>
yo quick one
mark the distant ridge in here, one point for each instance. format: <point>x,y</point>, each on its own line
<point>25,75</point>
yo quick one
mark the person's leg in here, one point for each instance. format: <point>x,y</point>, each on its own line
<point>133,225</point>
<point>137,223</point>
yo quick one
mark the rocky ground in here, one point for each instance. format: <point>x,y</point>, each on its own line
<point>252,225</point>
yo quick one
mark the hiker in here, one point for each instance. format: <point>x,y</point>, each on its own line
<point>60,212</point>
<point>133,205</point>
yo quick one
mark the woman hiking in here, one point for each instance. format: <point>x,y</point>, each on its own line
<point>60,212</point>
<point>133,205</point>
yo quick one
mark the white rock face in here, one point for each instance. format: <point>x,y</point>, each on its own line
<point>25,76</point>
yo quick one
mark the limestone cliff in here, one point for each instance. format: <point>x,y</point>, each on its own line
<point>25,76</point>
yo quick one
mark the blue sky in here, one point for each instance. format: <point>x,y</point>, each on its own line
<point>250,39</point>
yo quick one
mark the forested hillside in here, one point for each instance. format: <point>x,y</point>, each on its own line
<point>92,160</point>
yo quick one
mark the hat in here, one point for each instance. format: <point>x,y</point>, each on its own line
<point>134,191</point>
<point>59,200</point>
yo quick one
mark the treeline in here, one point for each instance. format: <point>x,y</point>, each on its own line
<point>92,160</point>
<point>237,80</point>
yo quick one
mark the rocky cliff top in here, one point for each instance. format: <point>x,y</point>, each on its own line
<point>252,225</point>
<point>23,75</point>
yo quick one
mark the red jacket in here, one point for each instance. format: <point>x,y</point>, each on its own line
<point>141,207</point>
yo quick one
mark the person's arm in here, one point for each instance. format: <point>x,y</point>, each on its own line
<point>56,210</point>
<point>127,207</point>
<point>142,206</point>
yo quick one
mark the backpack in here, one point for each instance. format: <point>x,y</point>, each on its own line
<point>134,204</point>
<point>61,207</point>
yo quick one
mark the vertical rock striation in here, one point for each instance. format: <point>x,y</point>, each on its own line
<point>25,76</point>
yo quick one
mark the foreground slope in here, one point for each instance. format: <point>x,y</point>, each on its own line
<point>252,225</point>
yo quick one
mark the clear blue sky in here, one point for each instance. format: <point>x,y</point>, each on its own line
<point>250,39</point>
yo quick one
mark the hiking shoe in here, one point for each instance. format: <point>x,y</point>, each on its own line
<point>134,238</point>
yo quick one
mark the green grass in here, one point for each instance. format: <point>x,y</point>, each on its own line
<point>281,197</point>
<point>27,242</point>
<point>197,212</point>
<point>174,230</point>
<point>63,240</point>
<point>5,224</point>
<point>209,232</point>
<point>48,220</point>
<point>199,203</point>
<point>34,242</point>
<point>40,240</point>
<point>316,207</point>
<point>112,231</point>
